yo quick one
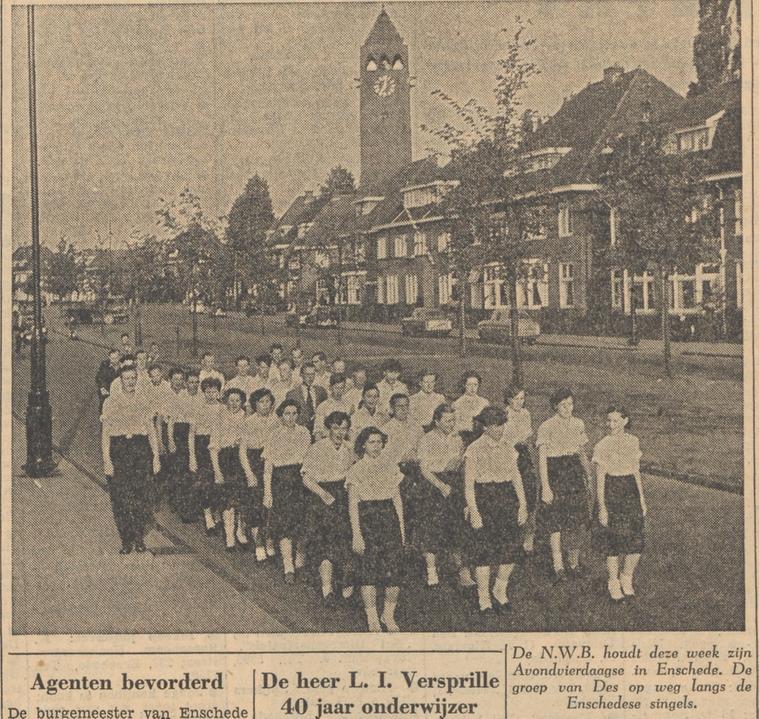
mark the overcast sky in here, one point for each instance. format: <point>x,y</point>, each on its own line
<point>135,103</point>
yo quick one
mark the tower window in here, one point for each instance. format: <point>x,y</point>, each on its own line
<point>371,65</point>
<point>398,63</point>
<point>385,63</point>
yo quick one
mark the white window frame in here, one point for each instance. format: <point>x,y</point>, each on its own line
<point>565,221</point>
<point>400,246</point>
<point>381,293</point>
<point>420,243</point>
<point>738,197</point>
<point>566,285</point>
<point>391,287</point>
<point>496,292</point>
<point>739,284</point>
<point>445,289</point>
<point>443,241</point>
<point>352,287</point>
<point>612,227</point>
<point>618,289</point>
<point>382,247</point>
<point>411,287</point>
<point>525,297</point>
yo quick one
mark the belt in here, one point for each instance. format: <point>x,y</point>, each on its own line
<point>127,436</point>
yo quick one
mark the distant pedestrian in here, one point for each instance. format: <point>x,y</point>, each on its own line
<point>564,479</point>
<point>107,373</point>
<point>130,455</point>
<point>621,503</point>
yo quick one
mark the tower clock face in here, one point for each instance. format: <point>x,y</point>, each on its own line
<point>384,86</point>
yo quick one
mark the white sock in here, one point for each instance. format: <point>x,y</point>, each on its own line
<point>372,619</point>
<point>300,559</point>
<point>626,581</point>
<point>499,590</point>
<point>210,521</point>
<point>432,578</point>
<point>615,590</point>
<point>465,577</point>
<point>388,616</point>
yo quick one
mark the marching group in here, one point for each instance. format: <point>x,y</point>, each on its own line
<point>302,459</point>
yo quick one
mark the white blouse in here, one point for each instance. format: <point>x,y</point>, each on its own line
<point>467,407</point>
<point>518,426</point>
<point>618,455</point>
<point>374,479</point>
<point>206,416</point>
<point>258,430</point>
<point>287,446</point>
<point>326,463</point>
<point>228,430</point>
<point>487,461</point>
<point>562,437</point>
<point>402,439</point>
<point>423,404</point>
<point>440,452</point>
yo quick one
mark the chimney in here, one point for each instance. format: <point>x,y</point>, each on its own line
<point>646,111</point>
<point>612,74</point>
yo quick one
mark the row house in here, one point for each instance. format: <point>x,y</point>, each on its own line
<point>22,273</point>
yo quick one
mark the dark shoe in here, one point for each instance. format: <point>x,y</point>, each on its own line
<point>243,546</point>
<point>289,577</point>
<point>330,601</point>
<point>577,572</point>
<point>140,547</point>
<point>559,577</point>
<point>126,549</point>
<point>231,549</point>
<point>501,609</point>
<point>487,613</point>
<point>212,531</point>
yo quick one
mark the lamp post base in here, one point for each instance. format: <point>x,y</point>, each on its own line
<point>39,432</point>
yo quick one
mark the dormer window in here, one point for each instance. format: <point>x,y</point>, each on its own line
<point>695,139</point>
<point>424,195</point>
<point>371,65</point>
<point>543,159</point>
<point>398,63</point>
<point>385,63</point>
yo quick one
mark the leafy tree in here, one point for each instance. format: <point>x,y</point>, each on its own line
<point>714,59</point>
<point>250,218</point>
<point>664,219</point>
<point>483,145</point>
<point>339,182</point>
<point>64,271</point>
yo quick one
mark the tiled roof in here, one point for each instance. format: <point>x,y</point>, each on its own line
<point>336,218</point>
<point>383,30</point>
<point>697,110</point>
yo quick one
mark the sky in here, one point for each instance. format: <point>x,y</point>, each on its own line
<point>134,103</point>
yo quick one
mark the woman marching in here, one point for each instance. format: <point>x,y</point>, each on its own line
<point>324,469</point>
<point>517,434</point>
<point>130,454</point>
<point>621,504</point>
<point>205,418</point>
<point>229,483</point>
<point>284,496</point>
<point>258,430</point>
<point>468,405</point>
<point>440,513</point>
<point>497,509</point>
<point>564,474</point>
<point>376,517</point>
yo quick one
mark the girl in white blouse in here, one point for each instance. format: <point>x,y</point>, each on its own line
<point>368,413</point>
<point>469,405</point>
<point>376,516</point>
<point>441,526</point>
<point>497,509</point>
<point>564,479</point>
<point>259,427</point>
<point>229,482</point>
<point>284,495</point>
<point>205,418</point>
<point>621,504</point>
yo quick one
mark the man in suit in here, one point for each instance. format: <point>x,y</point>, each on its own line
<point>308,395</point>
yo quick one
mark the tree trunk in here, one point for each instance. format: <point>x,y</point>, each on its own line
<point>633,340</point>
<point>194,325</point>
<point>664,285</point>
<point>462,318</point>
<point>516,350</point>
<point>338,291</point>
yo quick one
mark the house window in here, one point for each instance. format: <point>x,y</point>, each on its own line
<point>739,285</point>
<point>391,294</point>
<point>443,240</point>
<point>412,290</point>
<point>612,227</point>
<point>420,243</point>
<point>496,290</point>
<point>445,289</point>
<point>381,294</point>
<point>565,221</point>
<point>381,248</point>
<point>353,290</point>
<point>617,289</point>
<point>401,246</point>
<point>567,284</point>
<point>534,289</point>
<point>693,140</point>
<point>644,292</point>
<point>738,212</point>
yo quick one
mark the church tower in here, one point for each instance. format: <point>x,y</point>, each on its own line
<point>385,104</point>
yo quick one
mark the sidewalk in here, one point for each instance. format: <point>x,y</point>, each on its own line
<point>68,576</point>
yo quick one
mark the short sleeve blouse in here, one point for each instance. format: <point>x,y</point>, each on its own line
<point>562,437</point>
<point>326,463</point>
<point>618,455</point>
<point>258,430</point>
<point>437,451</point>
<point>206,416</point>
<point>374,479</point>
<point>228,429</point>
<point>487,461</point>
<point>126,414</point>
<point>467,407</point>
<point>287,446</point>
<point>518,425</point>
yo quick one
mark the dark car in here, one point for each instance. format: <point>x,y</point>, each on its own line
<point>90,314</point>
<point>497,328</point>
<point>319,316</point>
<point>426,322</point>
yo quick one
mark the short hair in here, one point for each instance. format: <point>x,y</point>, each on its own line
<point>469,374</point>
<point>336,378</point>
<point>210,383</point>
<point>154,344</point>
<point>337,359</point>
<point>368,387</point>
<point>276,346</point>
<point>128,359</point>
<point>426,372</point>
<point>512,391</point>
<point>113,350</point>
<point>288,403</point>
<point>363,436</point>
<point>621,410</point>
<point>208,354</point>
<point>193,373</point>
<point>359,368</point>
<point>177,370</point>
<point>241,358</point>
<point>335,419</point>
<point>127,368</point>
<point>234,390</point>
<point>440,410</point>
<point>397,397</point>
<point>319,355</point>
<point>155,366</point>
<point>391,365</point>
<point>491,416</point>
<point>124,334</point>
<point>308,365</point>
<point>264,358</point>
<point>559,396</point>
<point>257,395</point>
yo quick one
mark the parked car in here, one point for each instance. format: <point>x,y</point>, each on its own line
<point>319,316</point>
<point>254,309</point>
<point>427,322</point>
<point>198,308</point>
<point>497,328</point>
<point>96,314</point>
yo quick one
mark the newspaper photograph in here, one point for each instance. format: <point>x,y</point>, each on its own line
<point>378,360</point>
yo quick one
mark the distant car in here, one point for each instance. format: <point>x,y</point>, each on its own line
<point>254,309</point>
<point>197,308</point>
<point>426,322</point>
<point>96,315</point>
<point>319,316</point>
<point>497,328</point>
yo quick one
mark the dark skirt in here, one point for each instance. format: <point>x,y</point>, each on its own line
<point>182,495</point>
<point>253,506</point>
<point>328,526</point>
<point>528,474</point>
<point>411,488</point>
<point>500,539</point>
<point>625,531</point>
<point>287,503</point>
<point>569,509</point>
<point>383,561</point>
<point>234,490</point>
<point>130,486</point>
<point>441,524</point>
<point>204,479</point>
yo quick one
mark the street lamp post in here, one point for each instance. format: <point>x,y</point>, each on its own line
<point>39,426</point>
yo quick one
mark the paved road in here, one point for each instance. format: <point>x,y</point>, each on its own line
<point>690,578</point>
